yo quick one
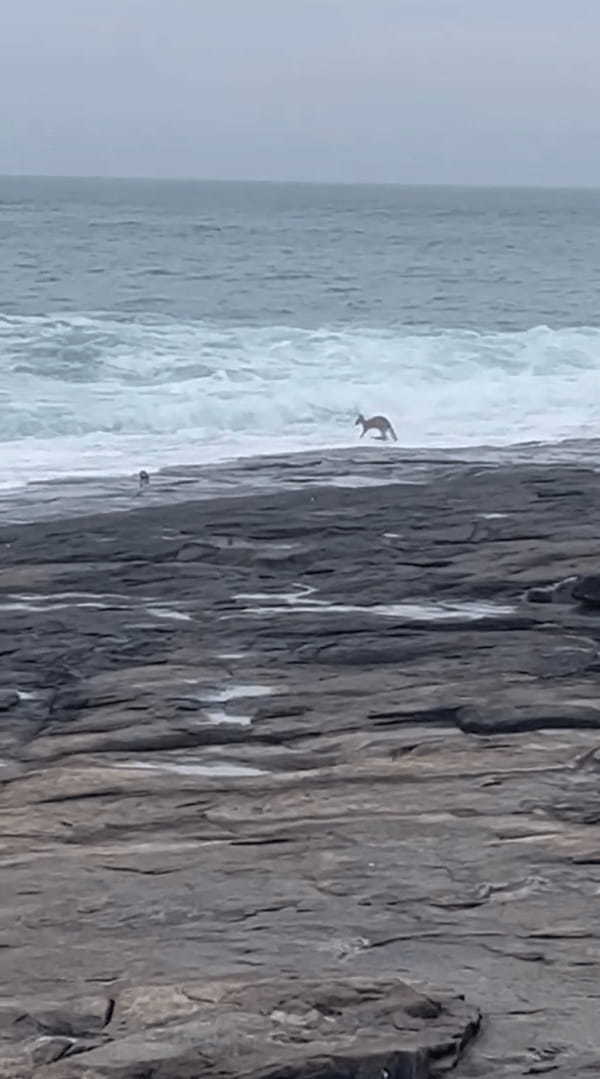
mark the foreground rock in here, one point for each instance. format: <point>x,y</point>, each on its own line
<point>297,1027</point>
<point>286,776</point>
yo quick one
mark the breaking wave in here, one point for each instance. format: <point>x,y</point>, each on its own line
<point>98,392</point>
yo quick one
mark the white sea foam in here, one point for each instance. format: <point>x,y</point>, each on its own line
<point>97,394</point>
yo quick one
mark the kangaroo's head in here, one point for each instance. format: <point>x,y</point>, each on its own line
<point>359,419</point>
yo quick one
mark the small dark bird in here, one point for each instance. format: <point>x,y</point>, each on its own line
<point>144,479</point>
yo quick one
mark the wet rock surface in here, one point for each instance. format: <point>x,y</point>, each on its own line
<point>305,780</point>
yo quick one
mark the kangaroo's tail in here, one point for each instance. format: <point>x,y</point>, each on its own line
<point>393,433</point>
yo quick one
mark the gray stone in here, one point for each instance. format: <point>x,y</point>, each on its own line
<point>256,801</point>
<point>48,1049</point>
<point>366,1026</point>
<point>587,590</point>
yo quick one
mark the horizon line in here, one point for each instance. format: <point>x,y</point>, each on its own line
<point>469,185</point>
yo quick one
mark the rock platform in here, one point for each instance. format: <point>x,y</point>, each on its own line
<point>304,780</point>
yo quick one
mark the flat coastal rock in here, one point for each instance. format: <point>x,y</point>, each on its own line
<point>294,1027</point>
<point>304,781</point>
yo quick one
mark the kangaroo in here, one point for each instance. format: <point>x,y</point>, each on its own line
<point>376,423</point>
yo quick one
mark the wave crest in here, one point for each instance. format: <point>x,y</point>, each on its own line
<point>81,375</point>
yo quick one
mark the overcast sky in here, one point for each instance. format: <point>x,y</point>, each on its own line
<point>415,91</point>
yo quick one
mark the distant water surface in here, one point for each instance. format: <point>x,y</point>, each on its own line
<point>146,323</point>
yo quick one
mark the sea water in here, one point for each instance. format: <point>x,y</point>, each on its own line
<point>147,323</point>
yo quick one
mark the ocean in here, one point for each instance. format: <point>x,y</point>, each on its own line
<point>153,323</point>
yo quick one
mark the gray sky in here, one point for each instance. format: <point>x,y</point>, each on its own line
<point>415,91</point>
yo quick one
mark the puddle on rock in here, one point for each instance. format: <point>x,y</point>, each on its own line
<point>45,605</point>
<point>32,597</point>
<point>193,767</point>
<point>239,690</point>
<point>301,596</point>
<point>262,545</point>
<point>163,612</point>
<point>218,716</point>
<point>303,603</point>
<point>435,611</point>
<point>97,601</point>
<point>56,601</point>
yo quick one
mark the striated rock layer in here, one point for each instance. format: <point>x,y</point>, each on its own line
<point>305,783</point>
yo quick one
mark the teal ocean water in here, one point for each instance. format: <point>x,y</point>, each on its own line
<point>152,323</point>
